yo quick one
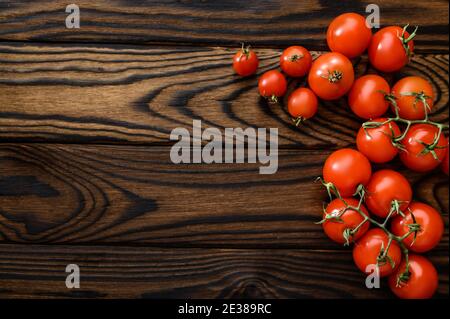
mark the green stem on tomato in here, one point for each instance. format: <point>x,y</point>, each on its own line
<point>395,208</point>
<point>396,140</point>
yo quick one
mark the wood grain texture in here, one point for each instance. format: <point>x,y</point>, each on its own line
<point>123,272</point>
<point>85,174</point>
<point>132,94</point>
<point>229,22</point>
<point>136,195</point>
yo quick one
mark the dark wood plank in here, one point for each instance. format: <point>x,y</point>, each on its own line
<point>132,94</point>
<point>136,195</point>
<point>123,272</point>
<point>263,23</point>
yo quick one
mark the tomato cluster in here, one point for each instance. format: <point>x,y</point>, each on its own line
<point>374,210</point>
<point>383,222</point>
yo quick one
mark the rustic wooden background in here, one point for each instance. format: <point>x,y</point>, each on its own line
<point>85,174</point>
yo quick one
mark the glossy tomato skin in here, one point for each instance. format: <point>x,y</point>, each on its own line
<point>296,61</point>
<point>376,143</point>
<point>423,281</point>
<point>445,162</point>
<point>302,103</point>
<point>350,219</point>
<point>366,98</point>
<point>385,186</point>
<point>348,34</point>
<point>331,76</point>
<point>431,227</point>
<point>368,247</point>
<point>272,84</point>
<point>245,62</point>
<point>386,51</point>
<point>346,169</point>
<point>412,155</point>
<point>409,107</point>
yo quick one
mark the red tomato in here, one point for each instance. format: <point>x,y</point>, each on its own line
<point>376,143</point>
<point>272,85</point>
<point>423,279</point>
<point>302,104</point>
<point>390,49</point>
<point>384,187</point>
<point>366,98</point>
<point>296,61</point>
<point>416,156</point>
<point>349,220</point>
<point>245,62</point>
<point>348,34</point>
<point>347,169</point>
<point>445,162</point>
<point>368,248</point>
<point>431,227</point>
<point>410,94</point>
<point>331,76</point>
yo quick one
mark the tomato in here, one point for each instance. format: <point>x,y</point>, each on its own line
<point>302,104</point>
<point>423,279</point>
<point>368,249</point>
<point>431,227</point>
<point>410,94</point>
<point>347,169</point>
<point>272,85</point>
<point>416,155</point>
<point>366,97</point>
<point>390,48</point>
<point>296,61</point>
<point>349,220</point>
<point>384,187</point>
<point>376,143</point>
<point>245,62</point>
<point>445,162</point>
<point>331,76</point>
<point>348,34</point>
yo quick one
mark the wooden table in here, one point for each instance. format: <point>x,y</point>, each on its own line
<point>85,173</point>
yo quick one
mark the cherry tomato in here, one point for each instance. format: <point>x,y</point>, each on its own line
<point>369,247</point>
<point>376,143</point>
<point>302,104</point>
<point>390,49</point>
<point>347,169</point>
<point>296,61</point>
<point>349,220</point>
<point>416,155</point>
<point>445,162</point>
<point>410,94</point>
<point>272,85</point>
<point>348,34</point>
<point>431,227</point>
<point>384,187</point>
<point>423,279</point>
<point>331,76</point>
<point>366,97</point>
<point>245,62</point>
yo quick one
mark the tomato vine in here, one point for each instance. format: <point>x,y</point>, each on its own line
<point>383,256</point>
<point>396,140</point>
